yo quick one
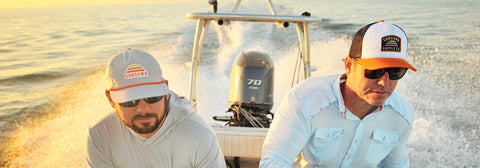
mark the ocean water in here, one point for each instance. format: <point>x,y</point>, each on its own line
<point>52,65</point>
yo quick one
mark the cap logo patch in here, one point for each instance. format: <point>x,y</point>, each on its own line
<point>391,43</point>
<point>135,71</point>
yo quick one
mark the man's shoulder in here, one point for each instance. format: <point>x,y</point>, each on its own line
<point>196,122</point>
<point>315,85</point>
<point>316,93</point>
<point>108,120</point>
<point>319,82</point>
<point>193,129</point>
<point>104,131</point>
<point>185,116</point>
<point>401,105</point>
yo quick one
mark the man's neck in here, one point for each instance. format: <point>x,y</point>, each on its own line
<point>354,103</point>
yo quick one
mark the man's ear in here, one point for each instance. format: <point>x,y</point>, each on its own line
<point>168,97</point>
<point>107,93</point>
<point>348,65</point>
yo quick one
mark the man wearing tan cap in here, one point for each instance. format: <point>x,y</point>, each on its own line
<point>349,120</point>
<point>151,126</point>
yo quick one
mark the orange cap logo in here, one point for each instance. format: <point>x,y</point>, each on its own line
<point>135,71</point>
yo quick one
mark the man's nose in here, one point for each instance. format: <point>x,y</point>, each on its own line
<point>384,80</point>
<point>142,106</point>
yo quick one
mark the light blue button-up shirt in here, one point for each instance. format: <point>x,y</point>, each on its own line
<point>312,129</point>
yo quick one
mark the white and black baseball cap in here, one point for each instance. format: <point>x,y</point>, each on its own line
<point>380,45</point>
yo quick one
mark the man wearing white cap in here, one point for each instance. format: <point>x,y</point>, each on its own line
<point>349,120</point>
<point>151,125</point>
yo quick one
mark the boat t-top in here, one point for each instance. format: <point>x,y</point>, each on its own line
<point>251,80</point>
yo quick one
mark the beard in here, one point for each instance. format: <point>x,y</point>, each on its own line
<point>145,128</point>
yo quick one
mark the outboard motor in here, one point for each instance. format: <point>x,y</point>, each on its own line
<point>251,91</point>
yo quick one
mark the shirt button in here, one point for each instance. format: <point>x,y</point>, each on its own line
<point>355,141</point>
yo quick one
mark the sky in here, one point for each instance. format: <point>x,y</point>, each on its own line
<point>8,4</point>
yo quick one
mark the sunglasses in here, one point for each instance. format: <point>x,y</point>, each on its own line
<point>149,100</point>
<point>393,73</point>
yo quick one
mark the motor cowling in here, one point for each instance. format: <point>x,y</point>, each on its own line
<point>251,90</point>
<point>251,81</point>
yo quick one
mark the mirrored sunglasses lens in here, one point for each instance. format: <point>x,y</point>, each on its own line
<point>132,103</point>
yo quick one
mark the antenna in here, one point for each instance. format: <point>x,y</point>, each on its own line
<point>214,4</point>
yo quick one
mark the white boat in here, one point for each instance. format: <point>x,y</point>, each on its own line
<point>249,96</point>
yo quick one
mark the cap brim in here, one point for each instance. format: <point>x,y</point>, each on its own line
<point>380,63</point>
<point>139,92</point>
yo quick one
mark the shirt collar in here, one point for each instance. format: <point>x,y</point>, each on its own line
<point>341,103</point>
<point>338,94</point>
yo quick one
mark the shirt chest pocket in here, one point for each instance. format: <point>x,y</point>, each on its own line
<point>381,143</point>
<point>325,142</point>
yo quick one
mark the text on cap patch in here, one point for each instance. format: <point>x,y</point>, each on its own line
<point>135,71</point>
<point>391,43</point>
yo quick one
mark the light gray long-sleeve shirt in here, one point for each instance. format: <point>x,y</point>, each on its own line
<point>184,140</point>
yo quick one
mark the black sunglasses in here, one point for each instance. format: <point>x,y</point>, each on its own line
<point>393,73</point>
<point>149,100</point>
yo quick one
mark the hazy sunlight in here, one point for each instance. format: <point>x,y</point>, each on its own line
<point>65,3</point>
